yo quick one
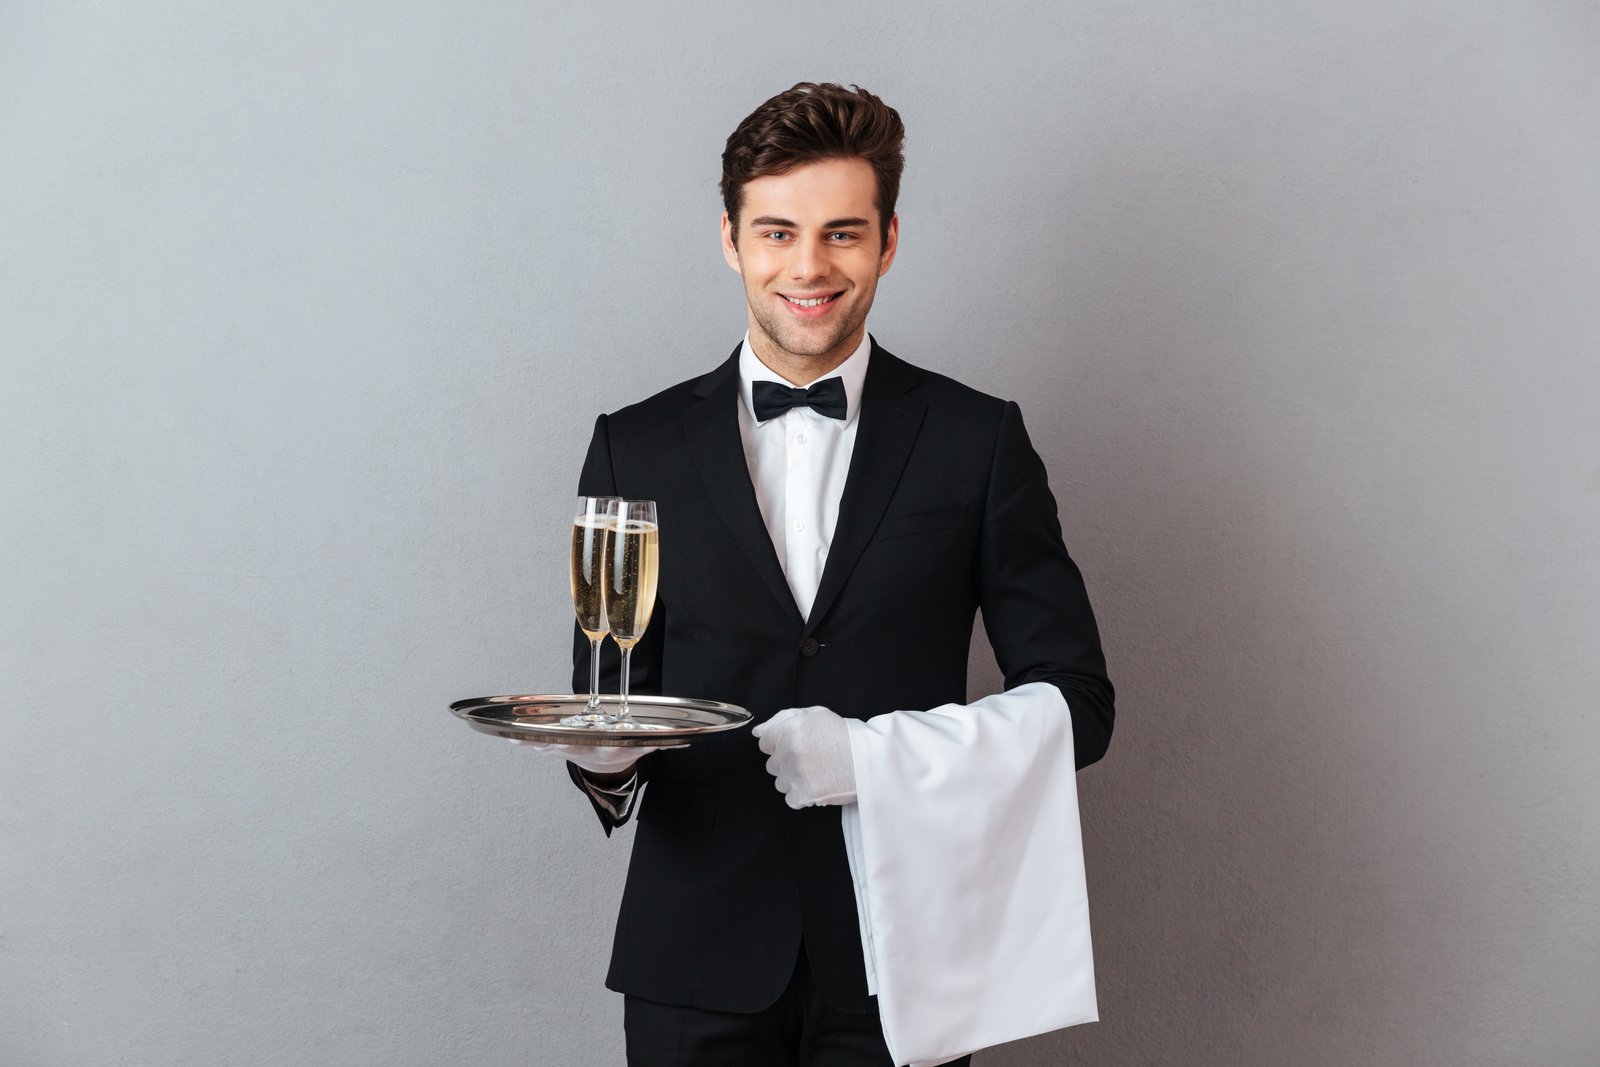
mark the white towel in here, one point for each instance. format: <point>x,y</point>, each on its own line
<point>967,858</point>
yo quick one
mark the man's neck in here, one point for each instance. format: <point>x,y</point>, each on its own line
<point>798,369</point>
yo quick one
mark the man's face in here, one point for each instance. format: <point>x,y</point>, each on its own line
<point>810,251</point>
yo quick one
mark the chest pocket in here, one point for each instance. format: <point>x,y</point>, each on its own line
<point>921,522</point>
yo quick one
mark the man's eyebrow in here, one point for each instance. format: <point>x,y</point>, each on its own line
<point>831,224</point>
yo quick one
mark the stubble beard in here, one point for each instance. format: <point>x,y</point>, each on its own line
<point>803,349</point>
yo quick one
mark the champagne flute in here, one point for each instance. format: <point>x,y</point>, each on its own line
<point>586,571</point>
<point>632,563</point>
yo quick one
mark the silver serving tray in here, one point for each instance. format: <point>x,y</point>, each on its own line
<point>537,717</point>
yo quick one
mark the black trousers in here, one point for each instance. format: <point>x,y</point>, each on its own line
<point>800,1030</point>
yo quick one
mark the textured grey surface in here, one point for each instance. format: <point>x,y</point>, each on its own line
<point>305,311</point>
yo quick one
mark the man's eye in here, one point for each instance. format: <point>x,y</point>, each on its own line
<point>841,236</point>
<point>778,235</point>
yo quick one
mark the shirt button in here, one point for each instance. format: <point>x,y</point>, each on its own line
<point>810,646</point>
<point>798,526</point>
<point>799,438</point>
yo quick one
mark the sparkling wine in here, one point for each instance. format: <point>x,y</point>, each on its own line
<point>632,552</point>
<point>585,570</point>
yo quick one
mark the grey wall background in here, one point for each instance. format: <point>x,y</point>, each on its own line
<point>305,311</point>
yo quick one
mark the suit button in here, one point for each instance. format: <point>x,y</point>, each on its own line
<point>809,646</point>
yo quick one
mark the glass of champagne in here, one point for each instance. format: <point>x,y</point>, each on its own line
<point>587,572</point>
<point>632,563</point>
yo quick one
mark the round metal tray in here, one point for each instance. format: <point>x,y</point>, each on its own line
<point>537,717</point>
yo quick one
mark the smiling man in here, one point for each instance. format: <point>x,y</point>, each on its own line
<point>832,519</point>
<point>810,247</point>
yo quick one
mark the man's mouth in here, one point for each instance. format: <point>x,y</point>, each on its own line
<point>811,301</point>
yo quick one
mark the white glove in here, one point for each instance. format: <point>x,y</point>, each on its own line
<point>810,750</point>
<point>597,759</point>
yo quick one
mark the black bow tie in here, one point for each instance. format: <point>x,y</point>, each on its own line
<point>825,398</point>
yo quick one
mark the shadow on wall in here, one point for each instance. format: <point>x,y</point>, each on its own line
<point>1242,878</point>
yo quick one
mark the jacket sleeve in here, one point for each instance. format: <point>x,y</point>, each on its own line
<point>1035,608</point>
<point>613,807</point>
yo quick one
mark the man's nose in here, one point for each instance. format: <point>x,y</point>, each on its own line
<point>810,260</point>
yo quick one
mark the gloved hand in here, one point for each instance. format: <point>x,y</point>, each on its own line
<point>810,750</point>
<point>597,759</point>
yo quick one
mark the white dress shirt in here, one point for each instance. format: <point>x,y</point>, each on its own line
<point>798,464</point>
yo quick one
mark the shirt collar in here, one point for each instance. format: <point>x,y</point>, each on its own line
<point>852,370</point>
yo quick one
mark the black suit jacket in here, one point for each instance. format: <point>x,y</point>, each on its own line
<point>945,512</point>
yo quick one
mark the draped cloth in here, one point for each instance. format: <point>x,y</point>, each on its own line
<point>967,857</point>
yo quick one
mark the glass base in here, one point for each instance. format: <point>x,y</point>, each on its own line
<point>633,724</point>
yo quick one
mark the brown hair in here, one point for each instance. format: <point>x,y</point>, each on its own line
<point>812,122</point>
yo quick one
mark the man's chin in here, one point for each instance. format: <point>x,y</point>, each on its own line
<point>809,351</point>
<point>802,345</point>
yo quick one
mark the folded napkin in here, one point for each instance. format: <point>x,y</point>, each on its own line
<point>967,857</point>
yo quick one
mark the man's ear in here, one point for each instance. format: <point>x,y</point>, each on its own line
<point>891,244</point>
<point>730,251</point>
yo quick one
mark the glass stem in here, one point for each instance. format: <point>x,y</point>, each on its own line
<point>623,714</point>
<point>594,673</point>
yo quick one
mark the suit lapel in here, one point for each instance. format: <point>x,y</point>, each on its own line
<point>889,423</point>
<point>712,429</point>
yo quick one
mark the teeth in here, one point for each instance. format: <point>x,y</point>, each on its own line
<point>808,303</point>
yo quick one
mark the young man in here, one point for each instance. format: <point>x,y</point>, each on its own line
<point>832,519</point>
